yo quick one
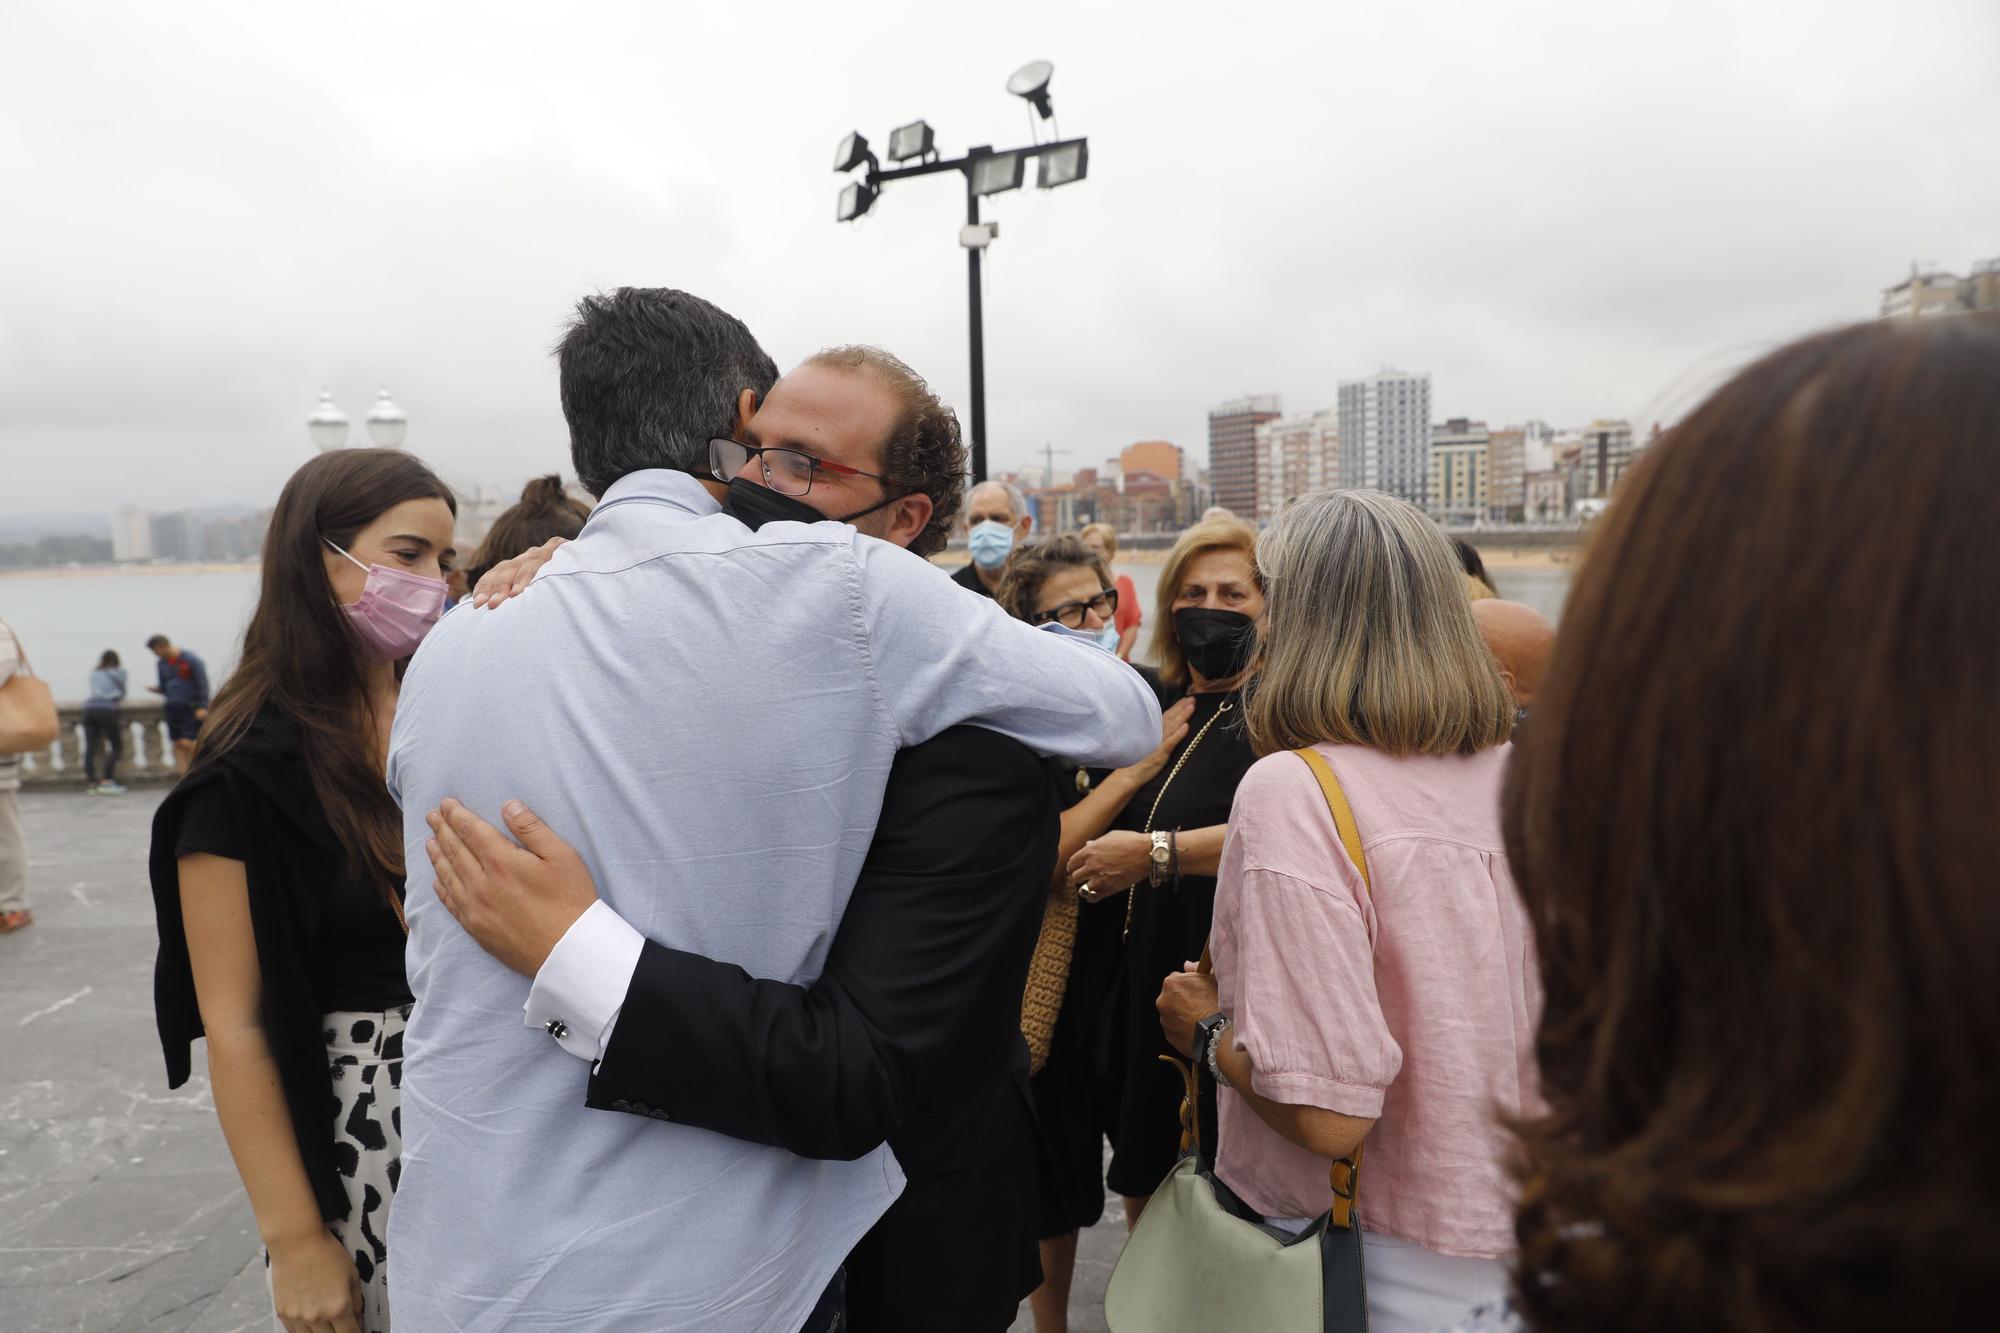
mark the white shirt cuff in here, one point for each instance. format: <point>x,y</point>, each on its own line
<point>581,986</point>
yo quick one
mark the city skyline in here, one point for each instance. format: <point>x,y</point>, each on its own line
<point>1558,209</point>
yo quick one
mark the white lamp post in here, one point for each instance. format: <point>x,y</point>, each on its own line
<point>327,425</point>
<point>386,422</point>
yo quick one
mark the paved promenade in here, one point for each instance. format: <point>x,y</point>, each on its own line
<point>119,1209</point>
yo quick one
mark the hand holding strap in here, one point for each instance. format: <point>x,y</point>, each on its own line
<point>1344,1176</point>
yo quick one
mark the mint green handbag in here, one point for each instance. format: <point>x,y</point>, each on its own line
<point>1202,1261</point>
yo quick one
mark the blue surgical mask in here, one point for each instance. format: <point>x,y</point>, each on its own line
<point>1107,638</point>
<point>990,542</point>
<point>1094,638</point>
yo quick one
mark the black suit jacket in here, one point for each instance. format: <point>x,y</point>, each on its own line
<point>911,1034</point>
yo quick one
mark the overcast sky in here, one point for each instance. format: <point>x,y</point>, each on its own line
<point>1561,210</point>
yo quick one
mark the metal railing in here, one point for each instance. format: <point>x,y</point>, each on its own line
<point>148,757</point>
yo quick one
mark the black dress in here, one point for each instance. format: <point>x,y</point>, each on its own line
<point>1076,1091</point>
<point>1169,928</point>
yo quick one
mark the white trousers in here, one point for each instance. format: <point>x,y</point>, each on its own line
<point>1415,1290</point>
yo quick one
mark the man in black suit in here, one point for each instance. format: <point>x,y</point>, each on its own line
<point>910,1035</point>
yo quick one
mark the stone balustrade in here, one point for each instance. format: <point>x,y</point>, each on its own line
<point>148,758</point>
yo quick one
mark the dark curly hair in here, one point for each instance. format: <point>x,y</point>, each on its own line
<point>1033,563</point>
<point>1752,820</point>
<point>924,451</point>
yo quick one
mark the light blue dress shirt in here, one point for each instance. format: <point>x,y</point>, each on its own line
<point>708,714</point>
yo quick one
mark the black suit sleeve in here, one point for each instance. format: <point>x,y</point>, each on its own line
<point>968,826</point>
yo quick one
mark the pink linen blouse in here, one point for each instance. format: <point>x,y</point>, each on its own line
<point>1414,1004</point>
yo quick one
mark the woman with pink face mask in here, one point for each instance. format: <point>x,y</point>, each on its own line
<point>277,870</point>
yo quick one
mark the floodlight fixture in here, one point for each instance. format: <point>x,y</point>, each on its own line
<point>853,151</point>
<point>855,200</point>
<point>908,141</point>
<point>1031,81</point>
<point>998,173</point>
<point>1063,166</point>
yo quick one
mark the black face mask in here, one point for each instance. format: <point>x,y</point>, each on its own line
<point>1218,644</point>
<point>753,506</point>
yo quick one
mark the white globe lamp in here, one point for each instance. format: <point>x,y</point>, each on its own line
<point>386,422</point>
<point>327,424</point>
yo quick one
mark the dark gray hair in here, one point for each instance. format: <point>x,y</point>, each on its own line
<point>649,376</point>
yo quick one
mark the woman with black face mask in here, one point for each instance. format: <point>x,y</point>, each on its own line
<point>1164,849</point>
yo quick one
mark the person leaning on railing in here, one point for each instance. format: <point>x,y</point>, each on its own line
<point>101,730</point>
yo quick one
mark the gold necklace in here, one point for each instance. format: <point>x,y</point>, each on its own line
<point>1133,892</point>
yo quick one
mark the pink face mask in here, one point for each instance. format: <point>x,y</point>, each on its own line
<point>395,610</point>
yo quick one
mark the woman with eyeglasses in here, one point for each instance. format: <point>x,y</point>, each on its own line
<point>1061,583</point>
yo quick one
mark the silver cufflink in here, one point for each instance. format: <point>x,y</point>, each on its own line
<point>556,1028</point>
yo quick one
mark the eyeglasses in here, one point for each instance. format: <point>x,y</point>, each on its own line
<point>1070,614</point>
<point>786,471</point>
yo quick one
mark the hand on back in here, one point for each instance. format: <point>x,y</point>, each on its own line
<point>510,577</point>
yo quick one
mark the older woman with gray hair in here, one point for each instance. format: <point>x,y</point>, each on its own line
<point>1392,996</point>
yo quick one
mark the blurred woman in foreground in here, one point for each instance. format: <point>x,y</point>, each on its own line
<point>1755,829</point>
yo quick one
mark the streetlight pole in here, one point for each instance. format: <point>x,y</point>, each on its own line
<point>1060,162</point>
<point>978,336</point>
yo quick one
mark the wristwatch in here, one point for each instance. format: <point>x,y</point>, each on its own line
<point>1206,1034</point>
<point>1162,857</point>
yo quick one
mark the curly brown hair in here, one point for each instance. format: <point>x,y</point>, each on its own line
<point>924,451</point>
<point>1034,563</point>
<point>545,510</point>
<point>1752,820</point>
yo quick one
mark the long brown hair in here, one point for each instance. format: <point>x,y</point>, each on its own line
<point>544,510</point>
<point>1754,825</point>
<point>302,657</point>
<point>1212,534</point>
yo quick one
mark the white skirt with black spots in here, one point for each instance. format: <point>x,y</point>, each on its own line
<point>365,1052</point>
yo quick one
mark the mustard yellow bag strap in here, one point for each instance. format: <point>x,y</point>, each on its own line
<point>1345,1175</point>
<point>1343,814</point>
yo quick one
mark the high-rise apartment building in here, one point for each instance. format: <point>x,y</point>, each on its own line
<point>177,536</point>
<point>1605,453</point>
<point>131,533</point>
<point>1385,433</point>
<point>1232,450</point>
<point>1930,292</point>
<point>1506,474</point>
<point>1296,456</point>
<point>1458,481</point>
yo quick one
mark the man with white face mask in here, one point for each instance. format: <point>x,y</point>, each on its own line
<point>996,521</point>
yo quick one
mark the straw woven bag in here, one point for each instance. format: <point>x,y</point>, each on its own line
<point>1048,974</point>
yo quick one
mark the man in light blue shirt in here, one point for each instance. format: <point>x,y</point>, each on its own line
<point>713,711</point>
